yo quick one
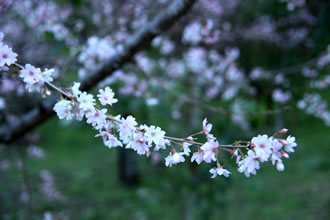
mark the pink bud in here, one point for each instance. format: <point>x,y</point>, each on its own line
<point>284,154</point>
<point>283,131</point>
<point>284,142</point>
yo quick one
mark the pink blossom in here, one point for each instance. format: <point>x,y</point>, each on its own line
<point>262,147</point>
<point>198,157</point>
<point>174,158</point>
<point>106,96</point>
<point>249,164</point>
<point>210,150</point>
<point>7,56</point>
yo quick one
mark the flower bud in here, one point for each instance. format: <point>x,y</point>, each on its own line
<point>280,166</point>
<point>283,131</point>
<point>284,142</point>
<point>284,154</point>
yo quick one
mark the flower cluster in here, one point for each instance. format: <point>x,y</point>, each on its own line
<point>263,149</point>
<point>34,78</point>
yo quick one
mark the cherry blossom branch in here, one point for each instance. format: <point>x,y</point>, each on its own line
<point>137,42</point>
<point>117,131</point>
<point>141,138</point>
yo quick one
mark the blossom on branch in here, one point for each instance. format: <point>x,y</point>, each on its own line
<point>154,134</point>
<point>34,78</point>
<point>106,96</point>
<point>291,144</point>
<point>219,172</point>
<point>198,157</point>
<point>126,129</point>
<point>174,158</point>
<point>75,89</point>
<point>262,147</point>
<point>86,101</point>
<point>249,164</point>
<point>63,109</point>
<point>7,56</point>
<point>113,142</point>
<point>210,150</point>
<point>139,144</point>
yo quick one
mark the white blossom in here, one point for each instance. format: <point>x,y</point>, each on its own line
<point>162,144</point>
<point>262,147</point>
<point>126,129</point>
<point>276,153</point>
<point>174,158</point>
<point>206,127</point>
<point>198,157</point>
<point>7,56</point>
<point>139,144</point>
<point>75,89</point>
<point>210,150</point>
<point>30,74</point>
<point>186,149</point>
<point>207,130</point>
<point>154,134</point>
<point>292,144</point>
<point>35,78</point>
<point>63,109</point>
<point>46,75</point>
<point>113,142</point>
<point>97,118</point>
<point>219,171</point>
<point>249,164</point>
<point>86,101</point>
<point>106,96</point>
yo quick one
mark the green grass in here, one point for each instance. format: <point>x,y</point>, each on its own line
<point>86,174</point>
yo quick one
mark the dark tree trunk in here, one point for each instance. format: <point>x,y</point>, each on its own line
<point>127,168</point>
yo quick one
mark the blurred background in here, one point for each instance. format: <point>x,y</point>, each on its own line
<point>251,67</point>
